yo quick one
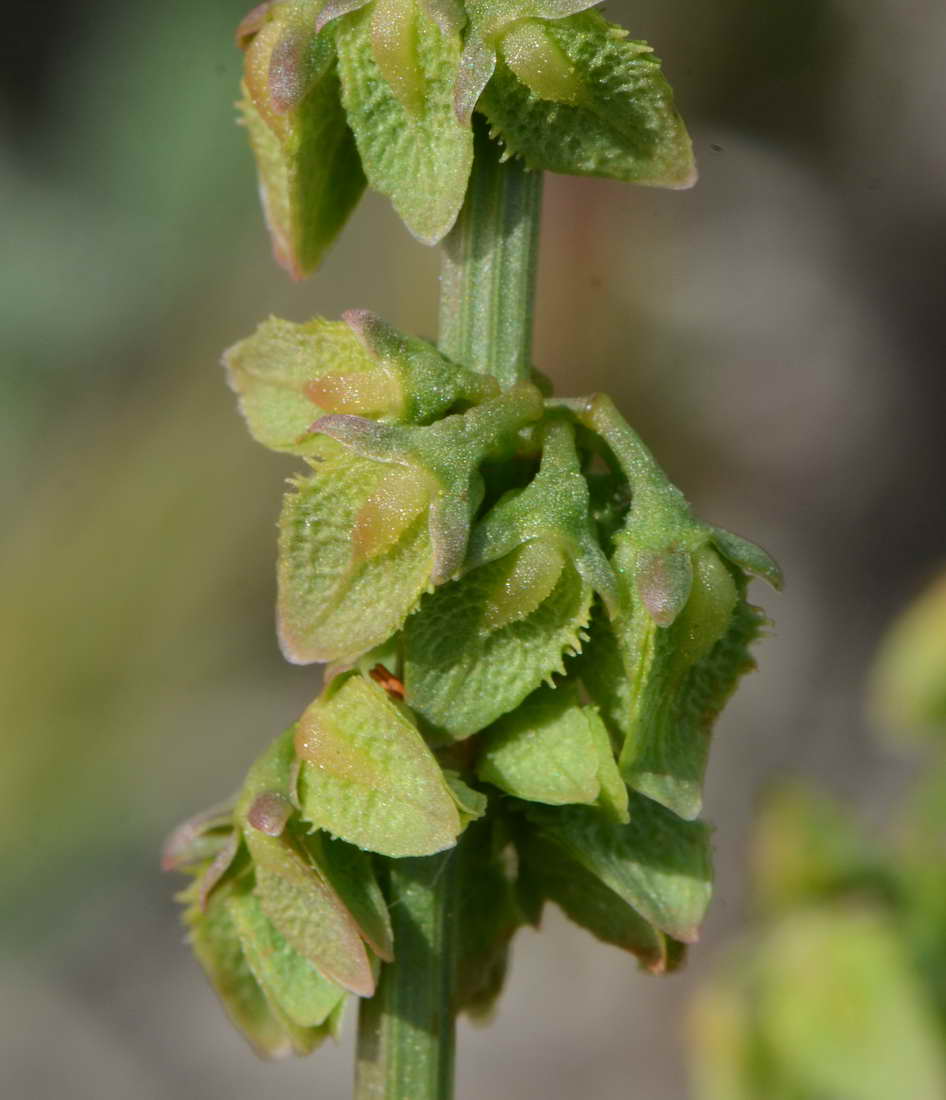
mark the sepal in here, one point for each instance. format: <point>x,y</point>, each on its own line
<point>287,375</point>
<point>367,775</point>
<point>309,171</point>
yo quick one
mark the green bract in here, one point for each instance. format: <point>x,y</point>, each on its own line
<point>386,89</point>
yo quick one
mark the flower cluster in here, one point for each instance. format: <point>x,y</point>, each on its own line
<point>385,91</point>
<point>529,636</point>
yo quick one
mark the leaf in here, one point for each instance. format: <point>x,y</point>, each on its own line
<point>287,979</point>
<point>727,1058</point>
<point>397,86</point>
<point>613,797</point>
<point>657,863</point>
<point>339,594</point>
<point>590,903</point>
<point>554,508</point>
<point>843,1011</point>
<point>198,839</point>
<point>216,943</point>
<point>367,775</point>
<point>807,849</point>
<point>447,456</point>
<point>272,373</point>
<point>908,683</point>
<point>313,920</point>
<point>472,804</point>
<point>351,874</point>
<point>492,20</point>
<point>544,751</point>
<point>461,672</point>
<point>294,894</point>
<point>661,688</point>
<point>310,176</point>
<point>612,113</point>
<point>288,375</point>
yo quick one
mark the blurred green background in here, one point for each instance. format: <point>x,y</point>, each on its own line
<point>775,334</point>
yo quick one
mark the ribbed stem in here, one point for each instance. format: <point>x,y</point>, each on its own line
<point>406,1030</point>
<point>487,282</point>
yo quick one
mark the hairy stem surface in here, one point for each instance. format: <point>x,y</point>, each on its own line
<point>487,282</point>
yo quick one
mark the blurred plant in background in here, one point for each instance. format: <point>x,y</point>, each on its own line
<point>842,990</point>
<point>787,326</point>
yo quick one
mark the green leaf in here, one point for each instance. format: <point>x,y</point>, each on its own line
<point>216,943</point>
<point>490,21</point>
<point>472,804</point>
<point>288,979</point>
<point>613,797</point>
<point>309,171</point>
<point>355,555</point>
<point>273,370</point>
<point>843,1012</point>
<point>555,508</point>
<point>312,919</point>
<point>908,685</point>
<point>664,666</point>
<point>552,750</point>
<point>807,848</point>
<point>447,456</point>
<point>295,895</point>
<point>590,903</point>
<point>657,863</point>
<point>198,839</point>
<point>608,111</point>
<point>288,375</point>
<point>398,69</point>
<point>368,776</point>
<point>351,874</point>
<point>465,665</point>
<point>661,688</point>
<point>727,1058</point>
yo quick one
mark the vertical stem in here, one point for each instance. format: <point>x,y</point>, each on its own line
<point>406,1030</point>
<point>487,282</point>
<point>487,289</point>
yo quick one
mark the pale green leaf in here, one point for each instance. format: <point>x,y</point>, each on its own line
<point>397,86</point>
<point>216,943</point>
<point>310,175</point>
<point>591,903</point>
<point>355,555</point>
<point>843,1011</point>
<point>462,672</point>
<point>544,751</point>
<point>368,776</point>
<point>614,115</point>
<point>313,920</point>
<point>657,863</point>
<point>288,979</point>
<point>350,872</point>
<point>272,371</point>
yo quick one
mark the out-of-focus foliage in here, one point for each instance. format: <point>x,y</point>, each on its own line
<point>842,991</point>
<point>909,684</point>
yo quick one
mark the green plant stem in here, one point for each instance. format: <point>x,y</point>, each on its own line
<point>487,282</point>
<point>406,1031</point>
